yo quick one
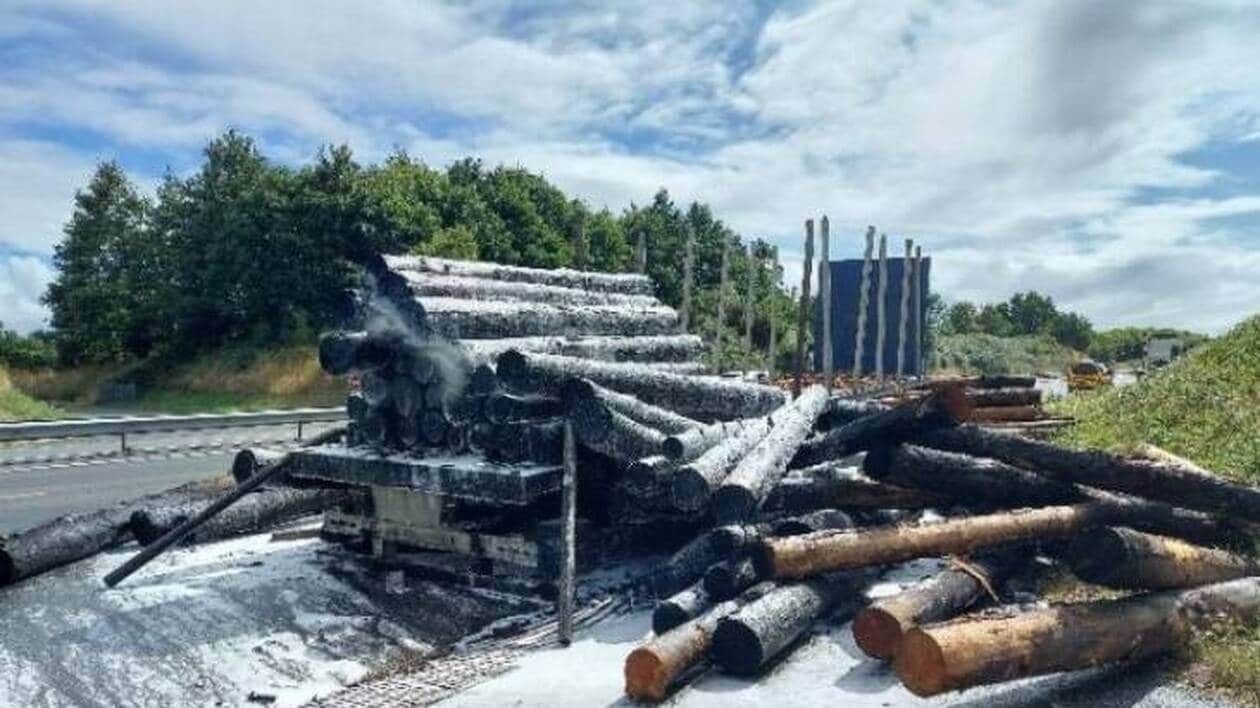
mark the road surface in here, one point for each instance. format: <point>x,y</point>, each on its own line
<point>40,481</point>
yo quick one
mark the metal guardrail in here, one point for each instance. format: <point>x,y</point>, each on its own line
<point>92,427</point>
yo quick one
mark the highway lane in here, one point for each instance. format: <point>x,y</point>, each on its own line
<point>42,480</point>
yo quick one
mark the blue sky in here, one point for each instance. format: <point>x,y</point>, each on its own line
<point>1105,153</point>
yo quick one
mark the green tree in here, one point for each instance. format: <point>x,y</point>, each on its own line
<point>1031,312</point>
<point>1072,330</point>
<point>960,318</point>
<point>89,297</point>
<point>452,242</point>
<point>995,319</point>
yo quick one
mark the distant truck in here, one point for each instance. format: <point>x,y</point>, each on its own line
<point>1087,375</point>
<point>1160,351</point>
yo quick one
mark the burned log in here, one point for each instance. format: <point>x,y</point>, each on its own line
<point>878,628</point>
<point>824,551</point>
<point>653,348</point>
<point>837,484</point>
<point>945,407</point>
<point>808,523</point>
<point>745,488</point>
<point>1123,558</point>
<point>374,428</point>
<point>666,421</point>
<point>60,542</point>
<point>992,397</point>
<point>626,283</point>
<point>987,381</point>
<point>693,483</point>
<point>846,410</point>
<point>687,445</point>
<point>686,565</point>
<point>406,395</point>
<point>650,476</point>
<point>525,441</point>
<point>980,650</point>
<point>342,352</point>
<point>610,433</point>
<point>737,539</point>
<point>748,639</point>
<point>679,608</point>
<point>506,407</point>
<point>1154,480</point>
<point>655,668</point>
<point>493,319</point>
<point>701,397</point>
<point>375,388</point>
<point>247,462</point>
<point>963,478</point>
<point>1005,414</point>
<point>254,512</point>
<point>472,288</point>
<point>724,581</point>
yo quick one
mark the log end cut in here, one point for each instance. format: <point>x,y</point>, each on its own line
<point>878,633</point>
<point>733,504</point>
<point>689,489</point>
<point>920,664</point>
<point>646,676</point>
<point>8,569</point>
<point>666,616</point>
<point>737,648</point>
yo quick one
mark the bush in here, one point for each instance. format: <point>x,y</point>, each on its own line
<point>18,352</point>
<point>979,353</point>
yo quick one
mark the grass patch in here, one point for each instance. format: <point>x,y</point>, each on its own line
<point>979,353</point>
<point>75,386</point>
<point>245,379</point>
<point>1227,660</point>
<point>16,405</point>
<point>1205,407</point>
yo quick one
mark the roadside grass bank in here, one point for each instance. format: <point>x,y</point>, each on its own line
<point>16,405</point>
<point>1205,407</point>
<point>979,353</point>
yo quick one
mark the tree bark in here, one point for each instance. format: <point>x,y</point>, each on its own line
<point>945,407</point>
<point>1169,483</point>
<point>967,480</point>
<point>494,319</point>
<point>680,608</point>
<point>878,628</point>
<point>700,397</point>
<point>254,512</point>
<point>662,419</point>
<point>625,283</point>
<point>824,551</point>
<point>747,640</point>
<point>836,484</point>
<point>981,650</point>
<point>1124,558</point>
<point>655,668</point>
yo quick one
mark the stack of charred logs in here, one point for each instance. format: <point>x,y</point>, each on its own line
<point>804,505</point>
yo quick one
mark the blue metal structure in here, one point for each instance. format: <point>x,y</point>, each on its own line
<point>846,278</point>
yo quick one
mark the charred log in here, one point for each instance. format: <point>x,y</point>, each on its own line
<point>666,421</point>
<point>626,283</point>
<point>254,512</point>
<point>836,484</point>
<point>480,319</point>
<point>506,407</point>
<point>1124,558</point>
<point>247,462</point>
<point>986,397</point>
<point>680,608</point>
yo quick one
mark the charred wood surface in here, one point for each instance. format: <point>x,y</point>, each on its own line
<point>626,283</point>
<point>973,651</point>
<point>1123,558</point>
<point>680,608</point>
<point>819,520</point>
<point>745,488</point>
<point>1005,414</point>
<point>506,407</point>
<point>1173,484</point>
<point>945,407</point>
<point>837,484</point>
<point>727,579</point>
<point>662,419</point>
<point>254,512</point>
<point>687,565</point>
<point>247,462</point>
<point>644,349</point>
<point>473,288</point>
<point>700,397</point>
<point>477,319</point>
<point>694,483</point>
<point>879,627</point>
<point>986,397</point>
<point>608,432</point>
<point>522,441</point>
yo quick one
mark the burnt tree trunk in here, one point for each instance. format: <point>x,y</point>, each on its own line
<point>723,581</point>
<point>945,407</point>
<point>680,608</point>
<point>694,482</point>
<point>701,397</point>
<point>495,319</point>
<point>1005,414</point>
<point>686,565</point>
<point>473,288</point>
<point>747,640</point>
<point>507,408</point>
<point>878,628</point>
<point>981,650</point>
<point>808,523</point>
<point>1168,483</point>
<point>247,462</point>
<point>687,445</point>
<point>627,283</point>
<point>1124,558</point>
<point>1004,397</point>
<point>608,432</point>
<point>655,348</point>
<point>658,666</point>
<point>254,512</point>
<point>836,484</point>
<point>666,421</point>
<point>745,488</point>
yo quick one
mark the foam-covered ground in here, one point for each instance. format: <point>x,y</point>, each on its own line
<point>212,624</point>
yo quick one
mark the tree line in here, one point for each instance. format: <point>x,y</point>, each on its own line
<point>248,250</point>
<point>1027,313</point>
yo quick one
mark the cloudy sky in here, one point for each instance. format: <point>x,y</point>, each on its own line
<point>1107,153</point>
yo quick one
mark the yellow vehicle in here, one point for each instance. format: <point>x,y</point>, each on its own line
<point>1087,375</point>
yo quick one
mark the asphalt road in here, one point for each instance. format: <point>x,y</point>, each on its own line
<point>43,480</point>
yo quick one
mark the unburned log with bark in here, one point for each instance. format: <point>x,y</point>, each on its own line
<point>657,667</point>
<point>626,283</point>
<point>247,462</point>
<point>973,651</point>
<point>825,551</point>
<point>970,480</point>
<point>254,512</point>
<point>681,607</point>
<point>990,397</point>
<point>879,627</point>
<point>945,407</point>
<point>1173,484</point>
<point>745,488</point>
<point>664,420</point>
<point>747,640</point>
<point>491,319</point>
<point>700,397</point>
<point>837,484</point>
<point>1120,557</point>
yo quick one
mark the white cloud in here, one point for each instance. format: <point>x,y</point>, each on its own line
<point>1008,138</point>
<point>22,280</point>
<point>37,184</point>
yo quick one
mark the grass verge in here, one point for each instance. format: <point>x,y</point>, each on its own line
<point>978,353</point>
<point>16,405</point>
<point>1227,660</point>
<point>245,379</point>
